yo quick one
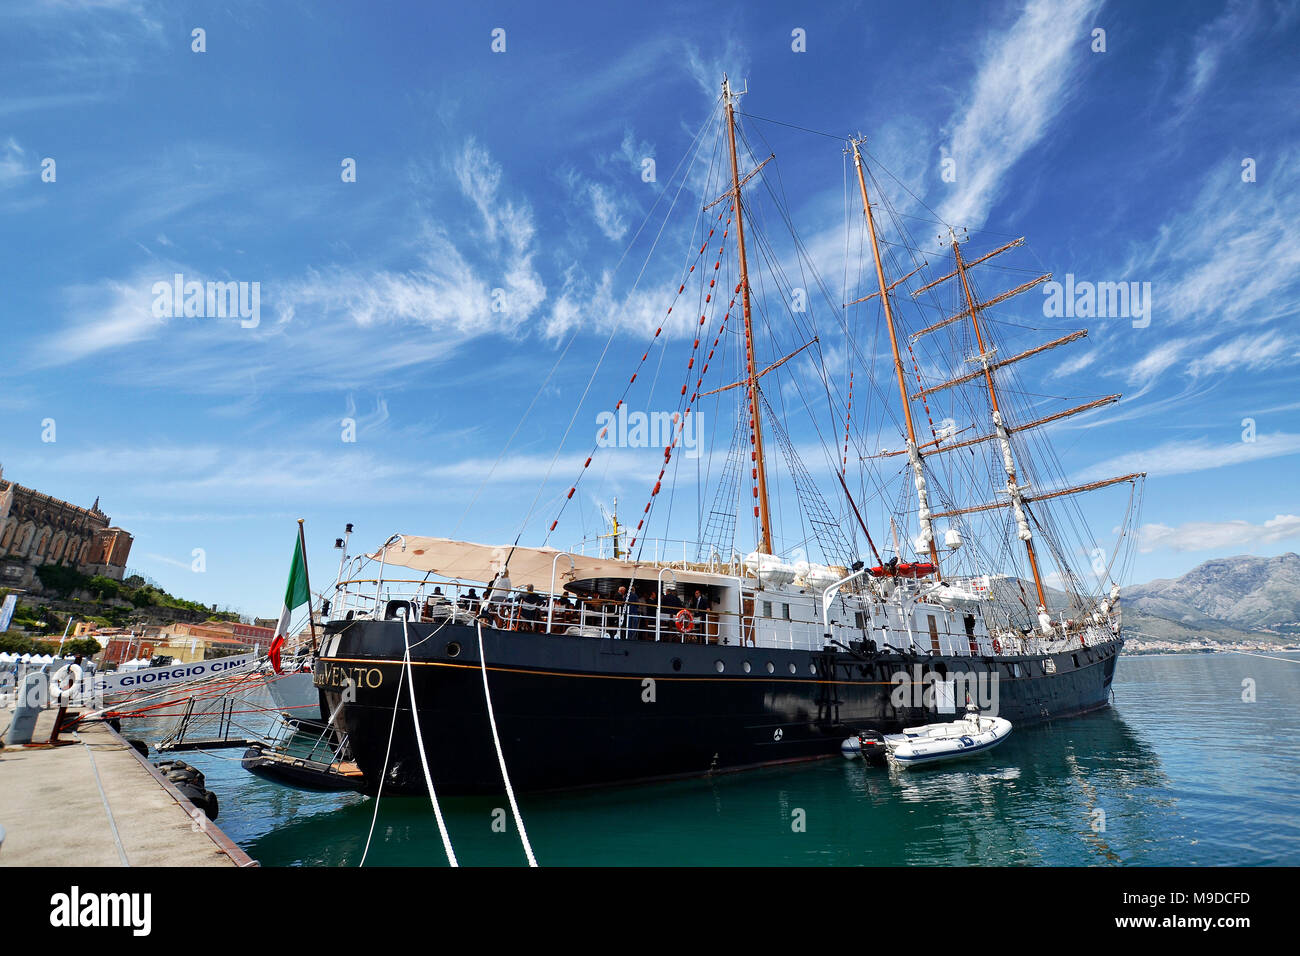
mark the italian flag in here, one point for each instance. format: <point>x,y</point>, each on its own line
<point>296,595</point>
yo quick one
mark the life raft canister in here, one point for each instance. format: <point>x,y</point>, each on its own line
<point>918,569</point>
<point>684,621</point>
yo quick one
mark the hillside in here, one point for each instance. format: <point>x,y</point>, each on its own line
<point>1224,598</point>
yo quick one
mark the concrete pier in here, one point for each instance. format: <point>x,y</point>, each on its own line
<point>97,802</point>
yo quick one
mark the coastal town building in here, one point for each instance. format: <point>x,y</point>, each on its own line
<point>187,643</point>
<point>184,643</point>
<point>38,529</point>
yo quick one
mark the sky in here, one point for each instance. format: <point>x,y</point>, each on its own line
<point>457,258</point>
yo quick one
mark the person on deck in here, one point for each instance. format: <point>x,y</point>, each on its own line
<point>530,609</point>
<point>700,606</point>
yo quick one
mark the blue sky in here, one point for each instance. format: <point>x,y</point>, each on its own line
<point>522,171</point>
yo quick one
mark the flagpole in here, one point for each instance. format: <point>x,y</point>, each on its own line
<point>311,618</point>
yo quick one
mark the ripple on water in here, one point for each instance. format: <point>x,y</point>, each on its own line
<point>1181,771</point>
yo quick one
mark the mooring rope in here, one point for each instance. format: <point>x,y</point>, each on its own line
<point>379,793</point>
<point>501,760</point>
<point>424,759</point>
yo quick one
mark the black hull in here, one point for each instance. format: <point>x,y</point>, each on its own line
<point>577,712</point>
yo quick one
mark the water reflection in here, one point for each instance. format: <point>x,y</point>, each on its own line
<point>1180,771</point>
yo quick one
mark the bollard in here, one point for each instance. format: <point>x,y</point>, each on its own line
<point>58,725</point>
<point>33,697</point>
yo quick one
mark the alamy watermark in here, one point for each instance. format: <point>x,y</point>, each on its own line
<point>1083,299</point>
<point>211,300</point>
<point>930,690</point>
<point>625,429</point>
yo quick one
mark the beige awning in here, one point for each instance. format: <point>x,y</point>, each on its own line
<point>466,561</point>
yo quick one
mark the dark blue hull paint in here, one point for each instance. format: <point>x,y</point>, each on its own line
<point>578,712</point>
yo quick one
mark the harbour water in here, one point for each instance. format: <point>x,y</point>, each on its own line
<point>1184,769</point>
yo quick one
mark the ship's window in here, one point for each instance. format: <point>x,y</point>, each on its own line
<point>746,666</point>
<point>859,620</point>
<point>1075,658</point>
<point>770,667</point>
<point>719,666</point>
<point>785,611</point>
<point>453,649</point>
<point>677,663</point>
<point>793,669</point>
<point>812,668</point>
<point>767,609</point>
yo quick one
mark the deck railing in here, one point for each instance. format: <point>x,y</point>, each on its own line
<point>609,617</point>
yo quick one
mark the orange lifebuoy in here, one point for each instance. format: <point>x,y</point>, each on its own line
<point>997,646</point>
<point>684,621</point>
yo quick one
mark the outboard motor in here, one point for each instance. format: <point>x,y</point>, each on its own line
<point>873,748</point>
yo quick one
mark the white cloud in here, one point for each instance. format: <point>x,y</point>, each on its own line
<point>1026,80</point>
<point>633,151</point>
<point>1232,255</point>
<point>1076,364</point>
<point>1160,358</point>
<point>707,70</point>
<point>600,201</point>
<point>11,162</point>
<point>1217,535</point>
<point>605,210</point>
<point>105,315</point>
<point>362,322</point>
<point>1252,351</point>
<point>1183,457</point>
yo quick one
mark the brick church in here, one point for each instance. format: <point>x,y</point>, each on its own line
<point>36,529</point>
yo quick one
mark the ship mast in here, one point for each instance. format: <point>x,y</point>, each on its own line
<point>1014,489</point>
<point>761,510</point>
<point>913,451</point>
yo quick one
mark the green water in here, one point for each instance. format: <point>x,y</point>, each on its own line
<point>1181,771</point>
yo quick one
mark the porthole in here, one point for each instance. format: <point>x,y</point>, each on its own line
<point>812,669</point>
<point>677,663</point>
<point>793,669</point>
<point>453,649</point>
<point>746,666</point>
<point>771,668</point>
<point>719,666</point>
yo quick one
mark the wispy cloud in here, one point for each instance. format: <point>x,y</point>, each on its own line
<point>1028,77</point>
<point>343,317</point>
<point>1231,253</point>
<point>1218,535</point>
<point>12,166</point>
<point>1251,351</point>
<point>1183,457</point>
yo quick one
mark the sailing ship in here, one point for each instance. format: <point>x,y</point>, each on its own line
<point>627,658</point>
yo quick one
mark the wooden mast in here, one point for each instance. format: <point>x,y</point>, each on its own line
<point>913,449</point>
<point>1013,487</point>
<point>760,468</point>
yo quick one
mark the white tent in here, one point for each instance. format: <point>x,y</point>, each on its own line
<point>480,563</point>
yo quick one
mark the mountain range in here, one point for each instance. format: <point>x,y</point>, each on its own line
<point>1226,599</point>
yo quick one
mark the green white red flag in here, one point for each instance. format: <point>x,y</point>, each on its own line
<point>296,594</point>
